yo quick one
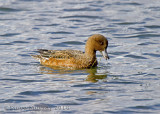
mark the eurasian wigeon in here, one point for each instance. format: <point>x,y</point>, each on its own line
<point>74,58</point>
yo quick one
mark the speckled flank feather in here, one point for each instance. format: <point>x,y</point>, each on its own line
<point>73,58</point>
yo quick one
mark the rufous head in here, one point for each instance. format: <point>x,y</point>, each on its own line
<point>99,43</point>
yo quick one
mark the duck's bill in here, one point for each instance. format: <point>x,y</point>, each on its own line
<point>105,54</point>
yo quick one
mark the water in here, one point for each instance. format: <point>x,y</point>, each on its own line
<point>128,83</point>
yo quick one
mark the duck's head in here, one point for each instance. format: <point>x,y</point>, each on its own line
<point>97,42</point>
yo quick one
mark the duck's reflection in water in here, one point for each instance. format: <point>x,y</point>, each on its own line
<point>93,76</point>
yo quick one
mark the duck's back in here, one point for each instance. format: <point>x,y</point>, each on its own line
<point>60,54</point>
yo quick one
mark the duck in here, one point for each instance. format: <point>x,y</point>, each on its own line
<point>75,59</point>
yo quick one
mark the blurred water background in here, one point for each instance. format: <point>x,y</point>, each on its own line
<point>128,83</point>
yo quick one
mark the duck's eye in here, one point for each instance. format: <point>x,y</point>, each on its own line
<point>101,43</point>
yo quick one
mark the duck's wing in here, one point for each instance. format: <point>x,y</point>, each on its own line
<point>60,54</point>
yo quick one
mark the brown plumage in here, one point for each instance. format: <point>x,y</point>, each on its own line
<point>75,58</point>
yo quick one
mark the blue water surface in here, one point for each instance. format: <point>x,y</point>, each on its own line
<point>127,83</point>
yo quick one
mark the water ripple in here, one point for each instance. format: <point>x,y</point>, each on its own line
<point>85,99</point>
<point>152,54</point>
<point>135,56</point>
<point>152,26</point>
<point>35,93</point>
<point>19,42</point>
<point>82,16</point>
<point>21,81</point>
<point>10,34</point>
<point>147,43</point>
<point>6,44</point>
<point>60,32</point>
<point>81,9</point>
<point>6,9</point>
<point>16,101</point>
